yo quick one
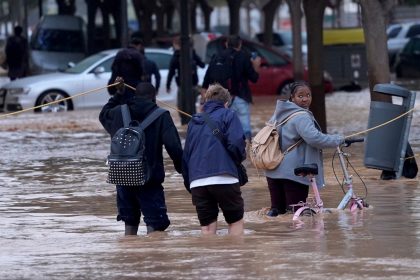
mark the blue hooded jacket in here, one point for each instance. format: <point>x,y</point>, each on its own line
<point>204,154</point>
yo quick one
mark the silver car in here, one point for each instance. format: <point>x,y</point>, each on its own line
<point>91,73</point>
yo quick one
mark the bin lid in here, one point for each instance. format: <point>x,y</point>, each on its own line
<point>343,36</point>
<point>392,89</point>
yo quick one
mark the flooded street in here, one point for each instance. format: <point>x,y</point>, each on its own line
<point>58,215</point>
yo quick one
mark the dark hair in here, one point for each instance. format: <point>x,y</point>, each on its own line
<point>233,41</point>
<point>295,85</point>
<point>146,90</point>
<point>18,30</point>
<point>136,41</point>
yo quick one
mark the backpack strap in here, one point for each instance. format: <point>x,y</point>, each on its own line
<point>125,115</point>
<point>289,117</point>
<point>152,117</point>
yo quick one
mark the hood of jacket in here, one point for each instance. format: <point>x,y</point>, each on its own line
<point>140,107</point>
<point>285,109</point>
<point>208,107</point>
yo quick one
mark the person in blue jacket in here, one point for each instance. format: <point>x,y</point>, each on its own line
<point>209,168</point>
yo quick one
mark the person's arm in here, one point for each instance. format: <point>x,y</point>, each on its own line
<point>251,74</point>
<point>156,73</point>
<point>171,74</point>
<point>235,138</point>
<point>172,142</point>
<point>110,113</point>
<point>306,128</point>
<point>198,60</point>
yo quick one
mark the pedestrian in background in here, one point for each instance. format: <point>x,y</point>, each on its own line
<point>175,71</point>
<point>17,55</point>
<point>128,64</point>
<point>149,199</point>
<point>209,168</point>
<point>244,68</point>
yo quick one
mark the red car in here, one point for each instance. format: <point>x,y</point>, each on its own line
<point>276,67</point>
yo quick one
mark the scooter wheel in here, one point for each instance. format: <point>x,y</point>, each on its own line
<point>308,212</point>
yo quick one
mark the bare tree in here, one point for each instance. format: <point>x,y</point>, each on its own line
<point>314,14</point>
<point>295,8</point>
<point>207,10</point>
<point>375,16</point>
<point>269,10</point>
<point>234,9</point>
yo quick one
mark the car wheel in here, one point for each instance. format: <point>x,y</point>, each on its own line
<point>51,96</point>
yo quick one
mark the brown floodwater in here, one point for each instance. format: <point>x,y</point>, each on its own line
<point>58,214</point>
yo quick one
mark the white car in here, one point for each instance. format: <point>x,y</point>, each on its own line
<point>398,35</point>
<point>91,73</point>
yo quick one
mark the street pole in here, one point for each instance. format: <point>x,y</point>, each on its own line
<point>186,99</point>
<point>41,12</point>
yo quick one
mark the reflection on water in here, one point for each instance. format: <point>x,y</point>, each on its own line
<point>58,217</point>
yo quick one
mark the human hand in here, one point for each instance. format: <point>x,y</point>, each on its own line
<point>120,86</point>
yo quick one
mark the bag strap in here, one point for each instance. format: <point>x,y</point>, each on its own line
<point>289,117</point>
<point>215,129</point>
<point>152,117</point>
<point>125,115</point>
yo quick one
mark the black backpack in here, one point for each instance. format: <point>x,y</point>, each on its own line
<point>220,70</point>
<point>127,161</point>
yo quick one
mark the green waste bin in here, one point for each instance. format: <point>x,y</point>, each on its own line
<point>385,146</point>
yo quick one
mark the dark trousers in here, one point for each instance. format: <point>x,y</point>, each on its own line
<point>286,192</point>
<point>146,200</point>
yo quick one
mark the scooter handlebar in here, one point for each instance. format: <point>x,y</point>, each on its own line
<point>349,141</point>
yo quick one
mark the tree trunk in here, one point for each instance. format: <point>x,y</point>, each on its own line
<point>374,16</point>
<point>193,16</point>
<point>269,10</point>
<point>144,11</point>
<point>314,13</point>
<point>234,13</point>
<point>207,10</point>
<point>295,8</point>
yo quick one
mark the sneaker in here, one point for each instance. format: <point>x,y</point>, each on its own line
<point>273,212</point>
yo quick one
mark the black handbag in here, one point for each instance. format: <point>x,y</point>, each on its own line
<point>410,167</point>
<point>242,175</point>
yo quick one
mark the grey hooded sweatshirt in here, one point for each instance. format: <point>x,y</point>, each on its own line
<point>302,126</point>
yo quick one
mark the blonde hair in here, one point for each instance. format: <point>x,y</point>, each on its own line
<point>217,93</point>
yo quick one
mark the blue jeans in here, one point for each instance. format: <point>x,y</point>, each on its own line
<point>146,200</point>
<point>241,107</point>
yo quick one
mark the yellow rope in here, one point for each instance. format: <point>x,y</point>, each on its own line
<point>164,103</point>
<point>57,101</point>
<point>383,124</point>
<point>83,93</point>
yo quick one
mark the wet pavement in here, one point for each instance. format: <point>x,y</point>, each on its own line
<point>58,214</point>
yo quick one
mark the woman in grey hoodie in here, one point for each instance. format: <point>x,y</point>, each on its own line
<point>285,187</point>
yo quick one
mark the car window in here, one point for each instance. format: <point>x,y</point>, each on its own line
<point>86,63</point>
<point>413,31</point>
<point>393,32</point>
<point>58,40</point>
<point>416,45</point>
<point>107,64</point>
<point>408,47</point>
<point>162,60</point>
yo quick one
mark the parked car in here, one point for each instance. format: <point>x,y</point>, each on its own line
<point>56,41</point>
<point>398,35</point>
<point>276,67</point>
<point>283,41</point>
<point>408,60</point>
<point>91,73</point>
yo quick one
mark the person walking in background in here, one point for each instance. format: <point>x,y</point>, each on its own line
<point>175,71</point>
<point>244,68</point>
<point>128,64</point>
<point>209,169</point>
<point>285,187</point>
<point>147,200</point>
<point>17,55</point>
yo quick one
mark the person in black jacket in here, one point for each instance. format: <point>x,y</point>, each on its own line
<point>150,69</point>
<point>175,71</point>
<point>17,55</point>
<point>149,199</point>
<point>128,64</point>
<point>244,69</point>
